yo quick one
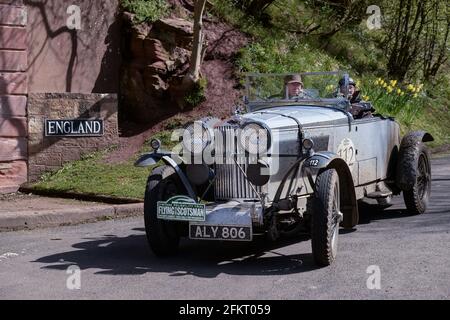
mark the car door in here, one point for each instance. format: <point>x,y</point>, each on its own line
<point>375,139</point>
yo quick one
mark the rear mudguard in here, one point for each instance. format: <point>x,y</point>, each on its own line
<point>406,174</point>
<point>152,158</point>
<point>318,162</point>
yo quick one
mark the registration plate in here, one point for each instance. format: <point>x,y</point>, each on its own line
<point>209,232</point>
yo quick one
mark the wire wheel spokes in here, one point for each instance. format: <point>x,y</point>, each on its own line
<point>423,177</point>
<point>336,219</point>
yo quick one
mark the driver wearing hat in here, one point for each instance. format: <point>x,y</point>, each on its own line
<point>293,85</point>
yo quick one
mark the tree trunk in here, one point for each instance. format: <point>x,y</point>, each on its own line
<point>196,57</point>
<point>192,77</point>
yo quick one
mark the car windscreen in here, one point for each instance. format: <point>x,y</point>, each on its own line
<point>304,87</point>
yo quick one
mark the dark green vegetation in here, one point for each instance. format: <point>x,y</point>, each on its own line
<point>146,10</point>
<point>197,94</point>
<point>295,35</point>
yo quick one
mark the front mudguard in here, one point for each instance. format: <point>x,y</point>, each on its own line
<point>151,158</point>
<point>406,173</point>
<point>313,165</point>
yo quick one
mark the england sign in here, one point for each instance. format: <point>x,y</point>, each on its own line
<point>74,128</point>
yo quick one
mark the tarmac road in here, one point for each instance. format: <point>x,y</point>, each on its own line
<point>411,252</point>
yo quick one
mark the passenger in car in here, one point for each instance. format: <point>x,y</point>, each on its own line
<point>359,108</point>
<point>354,95</point>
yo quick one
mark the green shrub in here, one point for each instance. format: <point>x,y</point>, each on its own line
<point>174,123</point>
<point>197,94</point>
<point>356,47</point>
<point>275,55</point>
<point>146,10</point>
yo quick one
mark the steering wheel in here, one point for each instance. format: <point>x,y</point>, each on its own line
<point>306,94</point>
<point>302,95</point>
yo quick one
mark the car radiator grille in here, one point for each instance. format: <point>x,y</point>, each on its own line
<point>230,182</point>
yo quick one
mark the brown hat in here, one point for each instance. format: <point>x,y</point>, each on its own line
<point>292,78</point>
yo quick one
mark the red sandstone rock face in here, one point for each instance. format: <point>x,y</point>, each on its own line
<point>156,53</point>
<point>147,84</point>
<point>175,32</point>
<point>158,58</point>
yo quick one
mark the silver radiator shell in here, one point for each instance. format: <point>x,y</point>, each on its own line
<point>230,181</point>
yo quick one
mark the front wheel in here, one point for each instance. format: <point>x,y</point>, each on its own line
<point>326,217</point>
<point>163,236</point>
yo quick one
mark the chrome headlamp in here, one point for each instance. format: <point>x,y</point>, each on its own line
<point>308,144</point>
<point>196,136</point>
<point>255,138</point>
<point>155,144</point>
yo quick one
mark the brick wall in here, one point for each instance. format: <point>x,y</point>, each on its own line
<point>13,91</point>
<point>50,153</point>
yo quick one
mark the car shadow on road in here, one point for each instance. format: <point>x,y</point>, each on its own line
<point>131,255</point>
<point>370,212</point>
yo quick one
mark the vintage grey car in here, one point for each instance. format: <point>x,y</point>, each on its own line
<point>283,166</point>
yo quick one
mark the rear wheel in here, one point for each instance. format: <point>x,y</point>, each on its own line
<point>417,197</point>
<point>163,236</point>
<point>326,217</point>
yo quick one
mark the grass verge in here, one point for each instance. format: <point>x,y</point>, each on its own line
<point>91,176</point>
